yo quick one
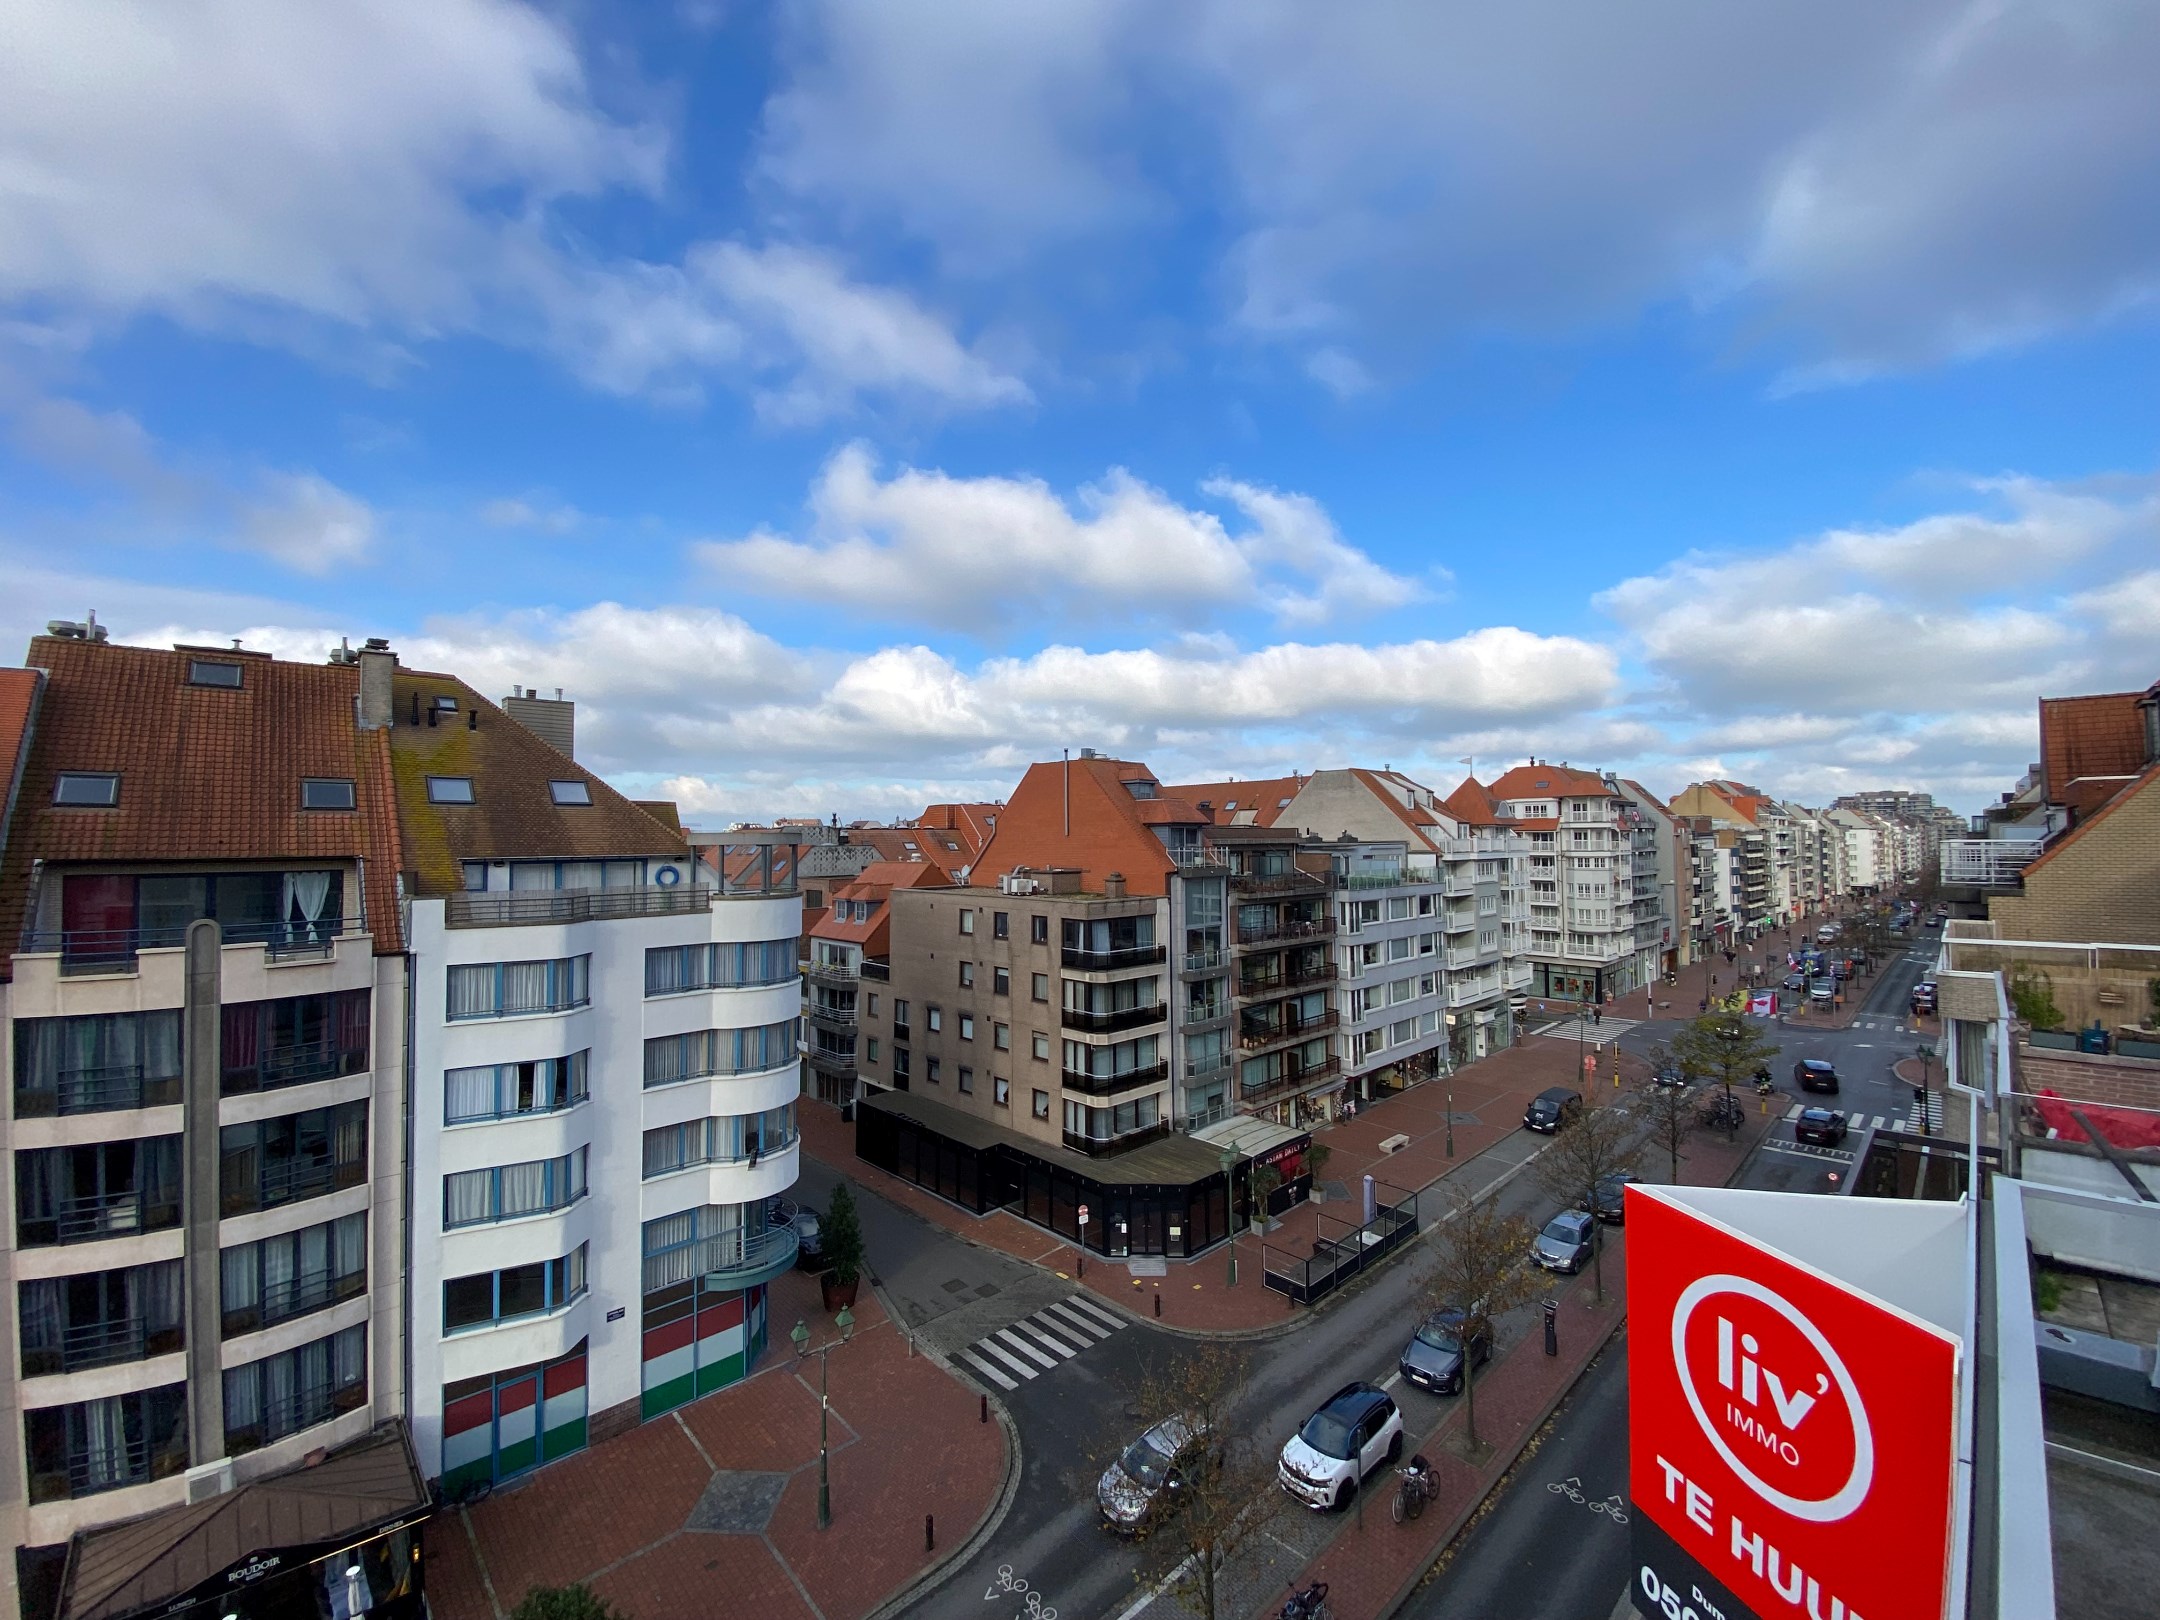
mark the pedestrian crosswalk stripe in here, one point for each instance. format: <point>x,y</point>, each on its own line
<point>982,1365</point>
<point>1061,1334</point>
<point>1020,1344</point>
<point>1037,1329</point>
<point>1794,1111</point>
<point>1004,1355</point>
<point>1074,1323</point>
<point>1089,1312</point>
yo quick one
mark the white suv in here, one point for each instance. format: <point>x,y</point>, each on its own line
<point>1357,1432</point>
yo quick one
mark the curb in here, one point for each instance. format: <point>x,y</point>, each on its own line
<point>987,1526</point>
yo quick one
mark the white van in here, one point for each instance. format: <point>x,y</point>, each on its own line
<point>1826,933</point>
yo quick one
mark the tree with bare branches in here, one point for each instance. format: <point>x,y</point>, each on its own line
<point>1666,1109</point>
<point>1220,1493</point>
<point>1594,1145</point>
<point>1483,1272</point>
<point>1723,1048</point>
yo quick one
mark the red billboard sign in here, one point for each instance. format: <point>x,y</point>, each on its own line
<point>1791,1440</point>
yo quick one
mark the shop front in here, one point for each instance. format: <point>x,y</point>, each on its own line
<point>335,1541</point>
<point>1166,1197</point>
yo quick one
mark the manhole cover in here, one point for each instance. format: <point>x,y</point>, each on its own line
<point>737,1503</point>
<point>956,1286</point>
<point>986,1290</point>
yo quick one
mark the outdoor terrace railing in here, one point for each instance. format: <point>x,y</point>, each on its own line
<point>1098,1146</point>
<point>1108,1023</point>
<point>114,950</point>
<point>1105,1085</point>
<point>526,908</point>
<point>1086,961</point>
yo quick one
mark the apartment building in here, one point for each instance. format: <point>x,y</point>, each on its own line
<point>1667,877</point>
<point>1592,876</point>
<point>850,962</point>
<point>204,1013</point>
<point>1762,848</point>
<point>604,1078</point>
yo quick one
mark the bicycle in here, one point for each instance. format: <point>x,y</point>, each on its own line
<point>1310,1604</point>
<point>1416,1485</point>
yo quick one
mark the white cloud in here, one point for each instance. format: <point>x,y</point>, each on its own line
<point>308,523</point>
<point>971,553</point>
<point>539,513</point>
<point>356,181</point>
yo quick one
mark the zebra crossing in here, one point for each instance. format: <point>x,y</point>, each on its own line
<point>1040,1343</point>
<point>1908,1121</point>
<point>1602,1033</point>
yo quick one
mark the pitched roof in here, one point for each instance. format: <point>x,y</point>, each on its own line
<point>19,690</point>
<point>947,851</point>
<point>1078,813</point>
<point>973,822</point>
<point>513,814</point>
<point>2140,783</point>
<point>1473,804</point>
<point>2090,748</point>
<point>1562,781</point>
<point>207,773</point>
<point>1255,802</point>
<point>876,883</point>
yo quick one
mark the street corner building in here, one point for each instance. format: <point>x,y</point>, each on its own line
<point>388,1097</point>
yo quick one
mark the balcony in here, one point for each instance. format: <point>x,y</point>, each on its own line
<point>878,972</point>
<point>1105,1085</point>
<point>1109,1023</point>
<point>1259,986</point>
<point>837,1017</point>
<point>1987,863</point>
<point>1132,956</point>
<point>1197,860</point>
<point>1201,1014</point>
<point>840,1065</point>
<point>1379,880</point>
<point>99,1344</point>
<point>292,1297</point>
<point>527,908</point>
<point>97,1090</point>
<point>729,1260</point>
<point>1289,928</point>
<point>1296,882</point>
<point>1252,1039</point>
<point>1201,1068</point>
<point>114,950</point>
<point>1289,1082</point>
<point>297,1065</point>
<point>1203,961</point>
<point>1096,1147</point>
<point>840,975</point>
<point>108,1215</point>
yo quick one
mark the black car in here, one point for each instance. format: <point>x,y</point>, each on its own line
<point>1825,1127</point>
<point>1796,981</point>
<point>810,1235</point>
<point>1552,1108</point>
<point>1609,1202</point>
<point>1669,1077</point>
<point>1815,1074</point>
<point>1433,1359</point>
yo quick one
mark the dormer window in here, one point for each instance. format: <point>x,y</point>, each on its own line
<point>212,672</point>
<point>1140,787</point>
<point>574,791</point>
<point>94,790</point>
<point>325,793</point>
<point>449,790</point>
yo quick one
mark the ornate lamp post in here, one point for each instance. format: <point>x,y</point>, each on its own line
<point>800,1338</point>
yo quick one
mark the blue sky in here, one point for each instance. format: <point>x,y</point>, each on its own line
<point>849,402</point>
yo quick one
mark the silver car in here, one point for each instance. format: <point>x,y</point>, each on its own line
<point>1565,1243</point>
<point>1142,1485</point>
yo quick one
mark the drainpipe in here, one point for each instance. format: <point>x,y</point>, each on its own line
<point>405,1304</point>
<point>202,1034</point>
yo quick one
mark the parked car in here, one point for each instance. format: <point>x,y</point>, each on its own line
<point>1923,997</point>
<point>1796,981</point>
<point>1669,1077</point>
<point>1823,993</point>
<point>1565,1243</point>
<point>1827,932</point>
<point>1433,1359</point>
<point>1357,1431</point>
<point>1143,1484</point>
<point>1552,1108</point>
<point>1815,1074</point>
<point>1609,1202</point>
<point>1825,1127</point>
<point>1841,968</point>
<point>810,1234</point>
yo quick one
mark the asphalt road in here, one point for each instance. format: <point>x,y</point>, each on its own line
<point>1555,1546</point>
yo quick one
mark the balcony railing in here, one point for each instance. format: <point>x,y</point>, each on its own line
<point>107,1215</point>
<point>1107,1023</point>
<point>1199,861</point>
<point>297,1065</point>
<point>1378,880</point>
<point>1200,1068</point>
<point>95,1091</point>
<point>1297,882</point>
<point>841,1017</point>
<point>1132,956</point>
<point>727,1260</point>
<point>127,1463</point>
<point>1104,1085</point>
<point>1253,1039</point>
<point>1289,928</point>
<point>524,908</point>
<point>1203,961</point>
<point>1258,986</point>
<point>1097,1146</point>
<point>1987,863</point>
<point>293,1297</point>
<point>114,950</point>
<point>841,1065</point>
<point>98,1344</point>
<point>833,973</point>
<point>881,972</point>
<point>1289,1082</point>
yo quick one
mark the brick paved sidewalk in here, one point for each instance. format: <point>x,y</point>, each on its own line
<point>1371,1570</point>
<point>1195,1296</point>
<point>906,1441</point>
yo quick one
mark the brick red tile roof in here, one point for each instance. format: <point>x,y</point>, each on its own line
<point>1472,803</point>
<point>18,710</point>
<point>876,883</point>
<point>972,822</point>
<point>1558,781</point>
<point>206,773</point>
<point>947,851</point>
<point>2090,747</point>
<point>513,815</point>
<point>1107,833</point>
<point>1258,798</point>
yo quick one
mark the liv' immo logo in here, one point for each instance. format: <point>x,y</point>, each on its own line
<point>1773,1397</point>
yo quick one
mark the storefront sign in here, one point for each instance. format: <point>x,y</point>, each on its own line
<point>1791,1438</point>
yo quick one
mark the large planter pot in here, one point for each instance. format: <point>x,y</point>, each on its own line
<point>838,1293</point>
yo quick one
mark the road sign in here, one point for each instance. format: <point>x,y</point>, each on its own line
<point>1083,1214</point>
<point>1786,1428</point>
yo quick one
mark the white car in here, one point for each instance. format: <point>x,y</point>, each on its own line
<point>1358,1431</point>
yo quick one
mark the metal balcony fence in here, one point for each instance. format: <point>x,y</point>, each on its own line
<point>1109,1023</point>
<point>114,950</point>
<point>1087,961</point>
<point>523,908</point>
<point>1104,1085</point>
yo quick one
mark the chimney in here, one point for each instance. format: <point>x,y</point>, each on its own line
<point>1113,885</point>
<point>553,720</point>
<point>377,665</point>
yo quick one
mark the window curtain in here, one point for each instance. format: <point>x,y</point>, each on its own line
<point>155,1295</point>
<point>278,1260</point>
<point>469,1094</point>
<point>314,1258</point>
<point>306,893</point>
<point>105,1459</point>
<point>472,991</point>
<point>525,986</point>
<point>280,1395</point>
<point>575,989</point>
<point>350,1140</point>
<point>157,1173</point>
<point>524,1188</point>
<point>581,874</point>
<point>241,1035</point>
<point>43,1324</point>
<point>240,1278</point>
<point>352,1024</point>
<point>349,1246</point>
<point>348,1357</point>
<point>467,1197</point>
<point>575,1066</point>
<point>243,1399</point>
<point>665,969</point>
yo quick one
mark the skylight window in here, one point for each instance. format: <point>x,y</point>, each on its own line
<point>98,790</point>
<point>325,793</point>
<point>575,791</point>
<point>449,790</point>
<point>212,672</point>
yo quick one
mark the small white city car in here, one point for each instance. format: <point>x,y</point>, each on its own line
<point>1357,1432</point>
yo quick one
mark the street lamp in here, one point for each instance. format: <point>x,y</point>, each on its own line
<point>1451,1085</point>
<point>800,1337</point>
<point>1229,1182</point>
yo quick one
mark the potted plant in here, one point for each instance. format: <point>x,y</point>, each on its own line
<point>843,1242</point>
<point>1316,1158</point>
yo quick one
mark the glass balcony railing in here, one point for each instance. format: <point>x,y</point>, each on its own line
<point>114,950</point>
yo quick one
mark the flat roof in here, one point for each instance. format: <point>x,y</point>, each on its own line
<point>1168,1161</point>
